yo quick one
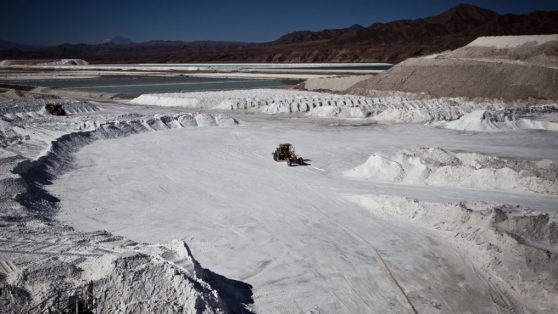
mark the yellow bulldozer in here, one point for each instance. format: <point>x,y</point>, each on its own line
<point>286,152</point>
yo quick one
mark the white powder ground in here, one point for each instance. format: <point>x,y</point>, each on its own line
<point>272,238</point>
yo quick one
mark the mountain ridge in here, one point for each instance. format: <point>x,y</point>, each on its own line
<point>379,42</point>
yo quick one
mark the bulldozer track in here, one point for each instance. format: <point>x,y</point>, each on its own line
<point>49,253</point>
<point>7,267</point>
<point>41,248</point>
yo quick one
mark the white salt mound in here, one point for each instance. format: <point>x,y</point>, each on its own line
<point>392,109</point>
<point>39,62</point>
<point>436,166</point>
<point>526,118</point>
<point>507,242</point>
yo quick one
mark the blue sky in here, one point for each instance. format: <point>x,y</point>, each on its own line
<point>50,22</point>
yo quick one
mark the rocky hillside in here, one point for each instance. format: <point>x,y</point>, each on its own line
<point>380,42</point>
<point>508,67</point>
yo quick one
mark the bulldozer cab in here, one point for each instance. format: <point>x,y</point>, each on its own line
<point>286,148</point>
<point>284,151</point>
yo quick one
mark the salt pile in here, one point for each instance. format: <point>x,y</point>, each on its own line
<point>526,118</point>
<point>64,62</point>
<point>436,166</point>
<point>23,109</point>
<point>393,109</point>
<point>171,279</point>
<point>499,238</point>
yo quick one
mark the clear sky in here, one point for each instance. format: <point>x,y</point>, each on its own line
<point>49,22</point>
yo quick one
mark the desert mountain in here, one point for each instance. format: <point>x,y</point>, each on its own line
<point>379,42</point>
<point>5,45</point>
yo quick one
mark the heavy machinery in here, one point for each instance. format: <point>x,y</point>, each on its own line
<point>286,152</point>
<point>55,109</point>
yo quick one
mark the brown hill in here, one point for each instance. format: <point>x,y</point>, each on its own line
<point>508,67</point>
<point>380,42</point>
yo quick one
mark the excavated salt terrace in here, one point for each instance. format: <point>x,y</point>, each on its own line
<point>527,118</point>
<point>425,212</point>
<point>390,109</point>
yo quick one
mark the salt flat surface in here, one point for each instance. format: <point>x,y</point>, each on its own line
<point>291,232</point>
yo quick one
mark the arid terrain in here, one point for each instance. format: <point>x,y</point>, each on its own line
<point>390,42</point>
<point>508,67</point>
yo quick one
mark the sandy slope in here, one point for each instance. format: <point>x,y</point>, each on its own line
<point>336,84</point>
<point>509,67</point>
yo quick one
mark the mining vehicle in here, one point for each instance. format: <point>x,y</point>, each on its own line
<point>55,109</point>
<point>286,152</point>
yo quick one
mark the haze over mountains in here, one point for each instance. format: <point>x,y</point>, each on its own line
<point>4,45</point>
<point>380,42</point>
<point>117,40</point>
